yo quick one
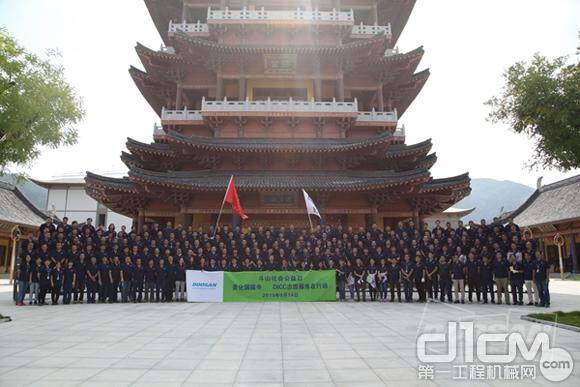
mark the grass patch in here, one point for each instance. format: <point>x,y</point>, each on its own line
<point>568,318</point>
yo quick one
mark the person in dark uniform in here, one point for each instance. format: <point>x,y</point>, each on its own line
<point>56,277</point>
<point>431,277</point>
<point>383,280</point>
<point>161,277</point>
<point>80,268</point>
<point>371,279</point>
<point>127,280</point>
<point>180,272</point>
<point>516,278</point>
<point>486,280</point>
<point>137,282</point>
<point>407,270</point>
<point>458,279</point>
<point>115,277</point>
<point>104,280</point>
<point>419,278</point>
<point>34,282</point>
<point>529,270</point>
<point>150,281</point>
<point>23,275</point>
<point>169,279</point>
<point>69,282</point>
<point>341,274</point>
<point>359,273</point>
<point>394,277</point>
<point>444,270</point>
<point>541,276</point>
<point>92,280</point>
<point>501,272</point>
<point>44,281</point>
<point>473,278</point>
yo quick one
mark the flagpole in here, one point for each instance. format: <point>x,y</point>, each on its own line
<point>310,220</point>
<point>222,208</point>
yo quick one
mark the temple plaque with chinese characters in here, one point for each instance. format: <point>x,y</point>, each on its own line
<point>280,63</point>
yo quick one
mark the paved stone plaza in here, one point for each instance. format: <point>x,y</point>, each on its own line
<point>253,344</point>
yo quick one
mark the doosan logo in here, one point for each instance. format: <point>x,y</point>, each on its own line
<point>204,285</point>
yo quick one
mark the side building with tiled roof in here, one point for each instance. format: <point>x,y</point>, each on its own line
<point>16,213</point>
<point>554,209</point>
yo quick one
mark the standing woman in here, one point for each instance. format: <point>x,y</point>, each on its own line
<point>371,279</point>
<point>23,274</point>
<point>104,280</point>
<point>56,283</point>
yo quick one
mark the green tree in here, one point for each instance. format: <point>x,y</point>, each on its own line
<point>37,106</point>
<point>542,100</point>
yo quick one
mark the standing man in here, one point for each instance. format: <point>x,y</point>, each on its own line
<point>529,268</point>
<point>458,275</point>
<point>486,278</point>
<point>444,279</point>
<point>516,277</point>
<point>542,277</point>
<point>473,277</point>
<point>419,278</point>
<point>69,282</point>
<point>23,275</point>
<point>81,275</point>
<point>127,279</point>
<point>431,277</point>
<point>394,277</point>
<point>501,267</point>
<point>407,270</point>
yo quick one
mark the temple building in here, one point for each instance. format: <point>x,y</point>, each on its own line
<point>285,96</point>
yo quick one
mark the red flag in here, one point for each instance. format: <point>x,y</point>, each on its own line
<point>233,198</point>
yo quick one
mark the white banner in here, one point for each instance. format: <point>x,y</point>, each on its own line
<point>205,286</point>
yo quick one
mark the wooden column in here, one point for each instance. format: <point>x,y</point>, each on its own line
<point>184,13</point>
<point>375,215</point>
<point>182,217</point>
<point>317,89</point>
<point>375,14</point>
<point>416,216</point>
<point>380,98</point>
<point>242,89</point>
<point>219,88</point>
<point>140,220</point>
<point>340,88</point>
<point>178,96</point>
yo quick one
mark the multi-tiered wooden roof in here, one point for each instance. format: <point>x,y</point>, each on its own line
<point>329,147</point>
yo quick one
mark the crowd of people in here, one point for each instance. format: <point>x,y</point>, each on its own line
<point>490,262</point>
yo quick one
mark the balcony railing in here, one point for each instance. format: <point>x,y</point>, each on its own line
<point>279,106</point>
<point>364,31</point>
<point>193,29</point>
<point>261,15</point>
<point>377,117</point>
<point>181,115</point>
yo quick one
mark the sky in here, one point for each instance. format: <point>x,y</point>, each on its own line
<point>468,45</point>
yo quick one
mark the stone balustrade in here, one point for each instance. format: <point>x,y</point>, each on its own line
<point>299,15</point>
<point>269,105</point>
<point>193,29</point>
<point>364,31</point>
<point>280,108</point>
<point>374,116</point>
<point>181,115</point>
